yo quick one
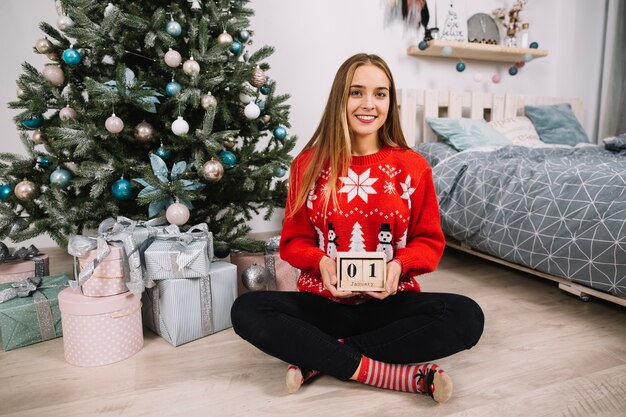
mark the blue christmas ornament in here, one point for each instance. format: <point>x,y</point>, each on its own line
<point>534,45</point>
<point>261,104</point>
<point>265,89</point>
<point>172,88</point>
<point>279,171</point>
<point>423,45</point>
<point>122,189</point>
<point>236,47</point>
<point>228,158</point>
<point>513,70</point>
<point>280,132</point>
<point>5,192</point>
<point>163,153</point>
<point>244,36</point>
<point>174,28</point>
<point>72,57</point>
<point>61,177</point>
<point>460,67</point>
<point>33,122</point>
<point>43,162</point>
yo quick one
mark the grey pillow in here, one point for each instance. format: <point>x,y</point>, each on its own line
<point>556,124</point>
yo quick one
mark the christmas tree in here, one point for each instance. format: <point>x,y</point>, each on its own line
<point>147,108</point>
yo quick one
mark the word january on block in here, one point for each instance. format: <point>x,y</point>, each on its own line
<point>361,271</point>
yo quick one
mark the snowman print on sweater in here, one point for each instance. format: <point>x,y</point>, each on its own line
<point>331,249</point>
<point>385,239</point>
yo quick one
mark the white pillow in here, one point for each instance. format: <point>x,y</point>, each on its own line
<point>519,130</point>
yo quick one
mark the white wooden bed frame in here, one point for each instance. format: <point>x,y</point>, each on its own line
<point>416,105</point>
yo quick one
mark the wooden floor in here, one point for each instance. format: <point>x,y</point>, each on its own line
<point>544,353</point>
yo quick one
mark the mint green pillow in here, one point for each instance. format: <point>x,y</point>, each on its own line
<point>464,134</point>
<point>556,124</point>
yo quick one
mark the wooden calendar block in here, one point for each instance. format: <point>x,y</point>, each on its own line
<point>361,271</point>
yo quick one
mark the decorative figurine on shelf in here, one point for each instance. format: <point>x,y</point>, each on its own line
<point>452,30</point>
<point>513,24</point>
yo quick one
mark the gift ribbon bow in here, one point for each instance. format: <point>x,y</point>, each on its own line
<point>22,253</point>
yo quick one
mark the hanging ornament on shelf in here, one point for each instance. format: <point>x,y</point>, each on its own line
<point>144,132</point>
<point>533,45</point>
<point>61,177</point>
<point>173,58</point>
<point>33,122</point>
<point>513,70</point>
<point>64,22</point>
<point>228,158</point>
<point>446,51</point>
<point>191,67</point>
<point>37,137</point>
<point>258,77</point>
<point>252,111</point>
<point>495,78</point>
<point>54,74</point>
<point>122,189</point>
<point>207,101</point>
<point>212,170</point>
<point>67,113</point>
<point>460,66</point>
<point>478,77</point>
<point>177,214</point>
<point>173,28</point>
<point>180,127</point>
<point>172,88</point>
<point>280,132</point>
<point>528,57</point>
<point>163,153</point>
<point>520,64</point>
<point>26,190</point>
<point>114,124</point>
<point>5,191</point>
<point>71,56</point>
<point>43,46</point>
<point>224,38</point>
<point>423,45</point>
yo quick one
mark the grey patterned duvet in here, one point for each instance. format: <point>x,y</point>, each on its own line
<point>559,211</point>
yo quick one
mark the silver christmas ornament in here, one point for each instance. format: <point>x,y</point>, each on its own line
<point>144,132</point>
<point>256,277</point>
<point>225,38</point>
<point>26,190</point>
<point>213,171</point>
<point>43,46</point>
<point>208,101</point>
<point>191,67</point>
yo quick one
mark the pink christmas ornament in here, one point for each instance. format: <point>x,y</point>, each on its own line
<point>67,113</point>
<point>173,58</point>
<point>114,124</point>
<point>54,74</point>
<point>496,78</point>
<point>177,214</point>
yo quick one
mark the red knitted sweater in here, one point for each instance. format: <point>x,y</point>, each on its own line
<point>387,203</point>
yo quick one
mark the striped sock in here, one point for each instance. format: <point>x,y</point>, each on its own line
<point>426,378</point>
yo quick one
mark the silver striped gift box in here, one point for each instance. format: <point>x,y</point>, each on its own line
<point>183,310</point>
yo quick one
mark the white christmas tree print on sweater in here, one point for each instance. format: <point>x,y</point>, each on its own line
<point>357,241</point>
<point>360,185</point>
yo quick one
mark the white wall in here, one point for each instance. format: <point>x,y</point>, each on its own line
<point>312,38</point>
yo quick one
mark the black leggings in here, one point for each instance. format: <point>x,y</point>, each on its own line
<point>302,328</point>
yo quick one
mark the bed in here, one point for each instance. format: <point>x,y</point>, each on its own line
<point>557,212</point>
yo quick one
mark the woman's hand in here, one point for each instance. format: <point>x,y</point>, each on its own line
<point>394,270</point>
<point>328,270</point>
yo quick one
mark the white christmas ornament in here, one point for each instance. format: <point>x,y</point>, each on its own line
<point>478,77</point>
<point>64,22</point>
<point>252,111</point>
<point>180,127</point>
<point>177,214</point>
<point>110,7</point>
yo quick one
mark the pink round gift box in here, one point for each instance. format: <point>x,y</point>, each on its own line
<point>100,331</point>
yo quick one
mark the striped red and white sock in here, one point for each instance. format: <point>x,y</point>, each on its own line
<point>426,378</point>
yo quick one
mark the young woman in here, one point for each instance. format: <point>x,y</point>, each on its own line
<point>357,186</point>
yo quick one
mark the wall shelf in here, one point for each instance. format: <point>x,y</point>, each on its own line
<point>477,51</point>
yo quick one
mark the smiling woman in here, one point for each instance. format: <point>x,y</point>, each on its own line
<point>357,187</point>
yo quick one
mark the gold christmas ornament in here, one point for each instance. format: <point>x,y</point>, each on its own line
<point>19,92</point>
<point>37,137</point>
<point>258,77</point>
<point>144,132</point>
<point>191,67</point>
<point>43,46</point>
<point>26,190</point>
<point>229,143</point>
<point>267,118</point>
<point>212,171</point>
<point>225,38</point>
<point>208,101</point>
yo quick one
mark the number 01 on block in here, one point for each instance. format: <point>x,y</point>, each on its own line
<point>361,271</point>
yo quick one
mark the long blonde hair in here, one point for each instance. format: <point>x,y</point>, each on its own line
<point>331,141</point>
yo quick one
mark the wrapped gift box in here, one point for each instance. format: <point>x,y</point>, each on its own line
<point>179,256</point>
<point>108,277</point>
<point>285,276</point>
<point>100,331</point>
<point>18,270</point>
<point>26,320</point>
<point>183,310</point>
